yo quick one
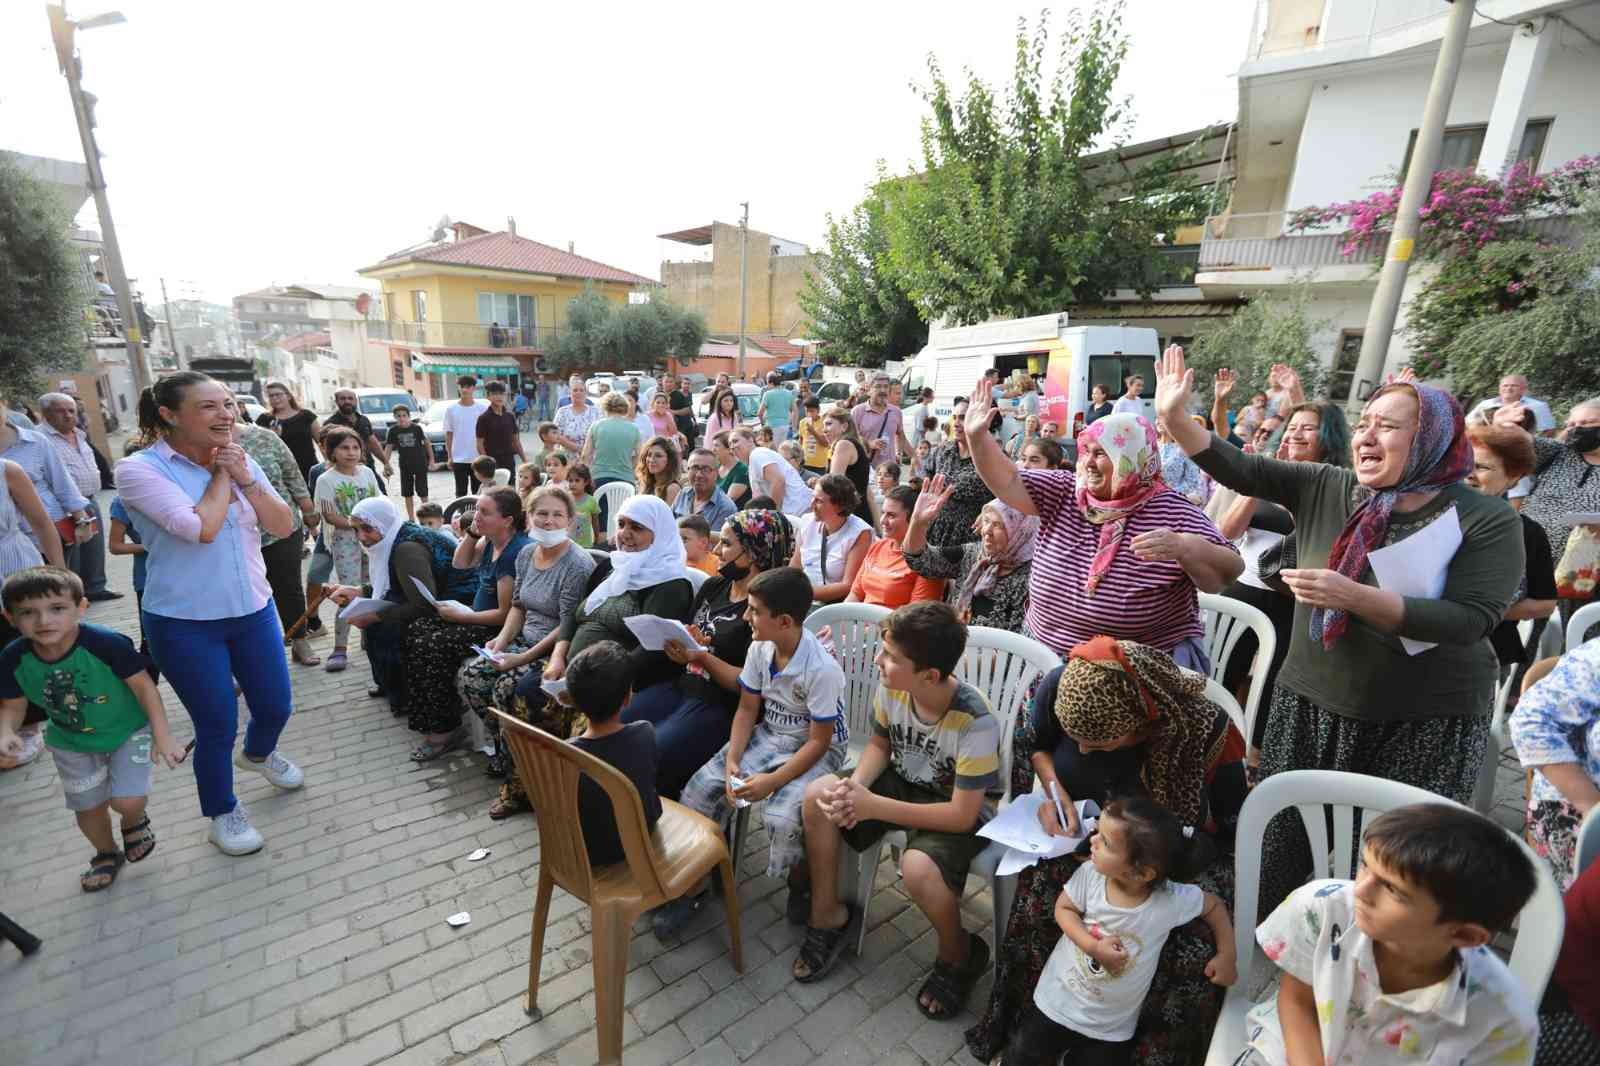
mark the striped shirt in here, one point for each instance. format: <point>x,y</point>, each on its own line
<point>1151,602</point>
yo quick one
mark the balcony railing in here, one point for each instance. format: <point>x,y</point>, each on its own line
<point>462,334</point>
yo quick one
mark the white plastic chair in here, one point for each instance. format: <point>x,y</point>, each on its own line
<point>1224,699</point>
<point>696,577</point>
<point>1226,620</point>
<point>1483,791</point>
<point>1354,800</point>
<point>1002,666</point>
<point>611,498</point>
<point>1588,849</point>
<point>855,637</point>
<point>1583,619</point>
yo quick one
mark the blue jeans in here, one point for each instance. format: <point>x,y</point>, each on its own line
<point>688,732</point>
<point>201,660</point>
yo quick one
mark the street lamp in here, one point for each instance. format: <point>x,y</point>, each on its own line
<point>63,31</point>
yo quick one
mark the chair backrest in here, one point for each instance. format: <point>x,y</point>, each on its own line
<point>1353,800</point>
<point>549,769</point>
<point>1226,620</point>
<point>613,496</point>
<point>1502,693</point>
<point>1588,840</point>
<point>1003,666</point>
<point>1224,699</point>
<point>697,577</point>
<point>1582,620</point>
<point>855,637</point>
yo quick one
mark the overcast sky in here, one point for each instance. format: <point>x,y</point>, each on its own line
<point>256,143</point>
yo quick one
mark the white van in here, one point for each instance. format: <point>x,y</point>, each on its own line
<point>1066,361</point>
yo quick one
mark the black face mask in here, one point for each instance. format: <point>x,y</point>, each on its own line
<point>734,571</point>
<point>1584,438</point>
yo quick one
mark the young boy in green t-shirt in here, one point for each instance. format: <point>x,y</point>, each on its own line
<point>105,712</point>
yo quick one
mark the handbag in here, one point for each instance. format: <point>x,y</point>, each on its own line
<point>1575,574</point>
<point>68,528</point>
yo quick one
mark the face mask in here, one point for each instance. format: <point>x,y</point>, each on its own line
<point>548,538</point>
<point>1584,438</point>
<point>734,571</point>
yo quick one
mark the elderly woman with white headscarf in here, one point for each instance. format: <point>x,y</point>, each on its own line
<point>645,576</point>
<point>400,554</point>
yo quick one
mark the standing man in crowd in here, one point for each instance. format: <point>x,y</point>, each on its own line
<point>1514,389</point>
<point>461,434</point>
<point>86,557</point>
<point>498,435</point>
<point>880,425</point>
<point>681,404</point>
<point>66,506</point>
<point>915,415</point>
<point>573,421</point>
<point>777,408</point>
<point>350,418</point>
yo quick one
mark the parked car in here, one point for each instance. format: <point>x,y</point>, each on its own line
<point>748,397</point>
<point>433,425</point>
<point>378,405</point>
<point>251,406</point>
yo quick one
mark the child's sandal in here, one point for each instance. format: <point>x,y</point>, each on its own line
<point>138,840</point>
<point>102,871</point>
<point>948,987</point>
<point>822,947</point>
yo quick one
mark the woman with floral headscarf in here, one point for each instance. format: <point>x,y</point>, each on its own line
<point>987,582</point>
<point>1117,552</point>
<point>693,712</point>
<point>1376,682</point>
<point>1122,718</point>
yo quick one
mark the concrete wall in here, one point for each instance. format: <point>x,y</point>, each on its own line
<point>1358,125</point>
<point>775,281</point>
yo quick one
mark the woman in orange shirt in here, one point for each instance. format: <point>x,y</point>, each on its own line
<point>884,578</point>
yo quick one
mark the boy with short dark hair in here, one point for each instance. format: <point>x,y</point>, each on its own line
<point>549,443</point>
<point>431,515</point>
<point>934,754</point>
<point>409,441</point>
<point>105,713</point>
<point>790,729</point>
<point>1394,966</point>
<point>488,474</point>
<point>599,683</point>
<point>695,532</point>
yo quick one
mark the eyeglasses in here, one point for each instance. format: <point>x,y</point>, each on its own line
<point>701,468</point>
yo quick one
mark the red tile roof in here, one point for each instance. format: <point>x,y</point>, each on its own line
<point>503,251</point>
<point>775,345</point>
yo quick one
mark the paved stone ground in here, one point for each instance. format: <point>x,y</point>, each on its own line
<point>331,947</point>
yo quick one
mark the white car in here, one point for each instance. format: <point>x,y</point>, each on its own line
<point>747,396</point>
<point>379,404</point>
<point>252,407</point>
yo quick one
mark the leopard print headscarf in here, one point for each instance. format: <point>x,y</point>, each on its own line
<point>1110,689</point>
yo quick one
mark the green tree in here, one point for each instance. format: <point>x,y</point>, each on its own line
<point>600,334</point>
<point>41,298</point>
<point>855,304</point>
<point>1272,328</point>
<point>1003,218</point>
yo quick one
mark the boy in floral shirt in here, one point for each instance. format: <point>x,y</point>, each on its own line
<point>1394,967</point>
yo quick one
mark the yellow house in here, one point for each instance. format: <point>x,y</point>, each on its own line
<point>479,303</point>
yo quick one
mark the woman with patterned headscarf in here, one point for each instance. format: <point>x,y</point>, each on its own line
<point>987,582</point>
<point>693,713</point>
<point>1377,682</point>
<point>1122,718</point>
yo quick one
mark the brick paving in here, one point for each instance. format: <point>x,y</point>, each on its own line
<point>330,946</point>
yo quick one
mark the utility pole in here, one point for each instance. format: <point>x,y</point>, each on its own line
<point>172,340</point>
<point>1385,306</point>
<point>63,31</point>
<point>744,278</point>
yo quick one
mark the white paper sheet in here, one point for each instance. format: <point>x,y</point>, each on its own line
<point>485,653</point>
<point>654,631</point>
<point>361,607</point>
<point>1252,546</point>
<point>737,782</point>
<point>1417,565</point>
<point>1017,827</point>
<point>555,688</point>
<point>437,603</point>
<point>1583,518</point>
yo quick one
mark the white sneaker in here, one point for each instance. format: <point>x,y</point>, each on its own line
<point>274,768</point>
<point>233,833</point>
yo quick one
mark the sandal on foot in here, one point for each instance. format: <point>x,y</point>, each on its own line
<point>428,750</point>
<point>138,840</point>
<point>336,662</point>
<point>822,947</point>
<point>669,919</point>
<point>102,871</point>
<point>495,766</point>
<point>504,808</point>
<point>949,986</point>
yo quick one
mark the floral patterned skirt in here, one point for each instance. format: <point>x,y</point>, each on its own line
<point>528,703</point>
<point>434,652</point>
<point>1553,834</point>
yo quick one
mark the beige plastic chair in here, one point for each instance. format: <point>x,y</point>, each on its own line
<point>659,865</point>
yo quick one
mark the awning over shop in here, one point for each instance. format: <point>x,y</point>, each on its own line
<point>464,363</point>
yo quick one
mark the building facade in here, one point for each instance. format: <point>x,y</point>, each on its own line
<point>311,335</point>
<point>1331,93</point>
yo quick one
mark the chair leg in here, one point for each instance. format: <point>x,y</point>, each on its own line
<point>541,915</point>
<point>613,932</point>
<point>866,876</point>
<point>730,898</point>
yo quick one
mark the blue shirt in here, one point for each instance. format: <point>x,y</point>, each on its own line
<point>779,402</point>
<point>119,513</point>
<point>716,511</point>
<point>43,465</point>
<point>491,568</point>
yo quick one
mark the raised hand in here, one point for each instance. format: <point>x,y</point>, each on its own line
<point>1222,384</point>
<point>934,495</point>
<point>979,408</point>
<point>1174,385</point>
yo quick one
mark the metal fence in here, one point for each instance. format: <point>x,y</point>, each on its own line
<point>461,334</point>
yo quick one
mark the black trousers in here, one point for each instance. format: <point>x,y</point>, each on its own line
<point>283,575</point>
<point>1039,1041</point>
<point>466,481</point>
